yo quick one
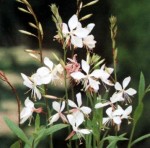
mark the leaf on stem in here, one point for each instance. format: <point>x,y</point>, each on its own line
<point>90,3</point>
<point>16,130</point>
<point>33,25</point>
<point>86,17</point>
<point>27,33</point>
<point>140,139</point>
<point>24,10</point>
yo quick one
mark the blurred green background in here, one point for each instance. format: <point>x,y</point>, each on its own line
<point>133,40</point>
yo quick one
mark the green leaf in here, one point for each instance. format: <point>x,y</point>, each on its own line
<point>43,132</point>
<point>55,128</point>
<point>138,112</point>
<point>114,139</point>
<point>16,130</point>
<point>140,139</point>
<point>141,88</point>
<point>16,144</point>
<point>37,122</point>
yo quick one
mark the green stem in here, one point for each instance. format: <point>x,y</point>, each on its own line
<point>131,136</point>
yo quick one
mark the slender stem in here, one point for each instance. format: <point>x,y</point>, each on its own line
<point>17,99</point>
<point>131,136</point>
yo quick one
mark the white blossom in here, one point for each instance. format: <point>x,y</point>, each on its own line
<point>58,107</point>
<point>32,82</point>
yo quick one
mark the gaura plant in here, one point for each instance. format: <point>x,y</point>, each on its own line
<point>93,116</point>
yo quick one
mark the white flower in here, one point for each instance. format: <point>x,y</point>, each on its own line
<point>32,82</point>
<point>50,73</point>
<point>125,93</point>
<point>89,80</point>
<point>75,122</point>
<point>89,41</point>
<point>113,116</point>
<point>76,33</point>
<point>28,110</point>
<point>104,73</point>
<point>58,107</point>
<point>77,108</point>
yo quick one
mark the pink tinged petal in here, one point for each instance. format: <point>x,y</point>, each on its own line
<point>100,105</point>
<point>84,131</point>
<point>85,110</point>
<point>62,106</point>
<point>48,63</point>
<point>65,28</point>
<point>72,104</point>
<point>79,100</point>
<point>54,118</point>
<point>56,106</point>
<point>76,41</point>
<point>73,22</point>
<point>117,120</point>
<point>63,118</point>
<point>131,91</point>
<point>85,66</point>
<point>126,82</point>
<point>28,103</point>
<point>77,75</point>
<point>118,86</point>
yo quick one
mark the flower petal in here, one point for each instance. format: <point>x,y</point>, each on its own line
<point>85,66</point>
<point>73,22</point>
<point>56,106</point>
<point>71,103</point>
<point>79,100</point>
<point>28,103</point>
<point>65,28</point>
<point>76,41</point>
<point>131,91</point>
<point>85,110</point>
<point>54,118</point>
<point>118,86</point>
<point>126,82</point>
<point>77,75</point>
<point>48,63</point>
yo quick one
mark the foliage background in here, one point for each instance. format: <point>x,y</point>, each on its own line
<point>132,42</point>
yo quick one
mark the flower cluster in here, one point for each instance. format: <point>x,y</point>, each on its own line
<point>92,74</point>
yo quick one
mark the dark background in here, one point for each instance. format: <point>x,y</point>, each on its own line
<point>132,41</point>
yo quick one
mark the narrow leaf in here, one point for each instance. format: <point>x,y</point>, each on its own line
<point>23,10</point>
<point>33,25</point>
<point>41,30</point>
<point>90,3</point>
<point>141,87</point>
<point>16,144</point>
<point>27,33</point>
<point>37,122</point>
<point>140,139</point>
<point>86,17</point>
<point>138,112</point>
<point>16,130</point>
